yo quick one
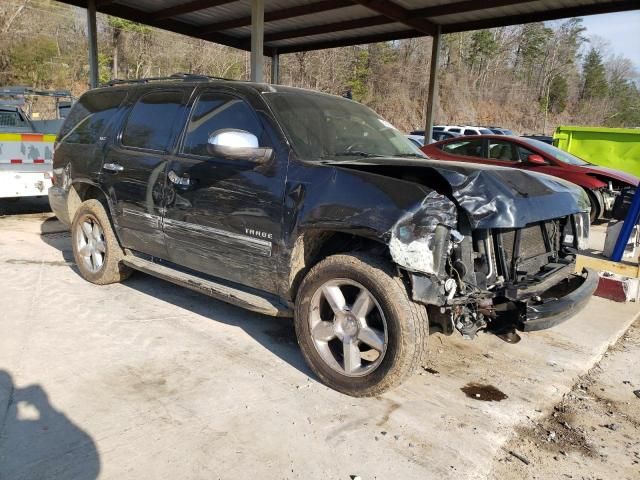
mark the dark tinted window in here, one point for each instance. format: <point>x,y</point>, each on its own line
<point>216,111</point>
<point>455,130</point>
<point>471,148</point>
<point>151,124</point>
<point>468,131</point>
<point>89,116</point>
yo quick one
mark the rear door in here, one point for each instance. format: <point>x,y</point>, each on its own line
<point>135,164</point>
<point>223,215</point>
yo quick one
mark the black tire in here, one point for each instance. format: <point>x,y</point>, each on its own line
<point>594,198</point>
<point>407,324</point>
<point>112,269</point>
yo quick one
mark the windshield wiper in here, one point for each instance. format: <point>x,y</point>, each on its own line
<point>417,155</point>
<point>356,153</point>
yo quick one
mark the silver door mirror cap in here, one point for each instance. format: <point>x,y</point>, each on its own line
<point>237,144</point>
<point>233,138</point>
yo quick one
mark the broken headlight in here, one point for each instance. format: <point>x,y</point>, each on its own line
<point>420,240</point>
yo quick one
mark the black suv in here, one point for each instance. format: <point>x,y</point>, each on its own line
<point>296,203</point>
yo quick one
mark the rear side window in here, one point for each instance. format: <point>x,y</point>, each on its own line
<point>468,131</point>
<point>218,111</point>
<point>151,123</point>
<point>89,116</point>
<point>470,148</point>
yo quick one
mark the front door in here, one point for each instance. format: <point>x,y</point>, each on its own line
<point>134,169</point>
<point>223,215</point>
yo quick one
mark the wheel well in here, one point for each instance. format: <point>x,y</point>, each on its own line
<point>314,246</point>
<point>80,192</point>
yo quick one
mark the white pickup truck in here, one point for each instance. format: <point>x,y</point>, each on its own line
<point>26,144</point>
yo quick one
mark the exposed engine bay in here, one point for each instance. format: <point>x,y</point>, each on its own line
<point>485,278</point>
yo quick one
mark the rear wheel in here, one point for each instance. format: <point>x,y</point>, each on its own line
<point>356,326</point>
<point>96,250</point>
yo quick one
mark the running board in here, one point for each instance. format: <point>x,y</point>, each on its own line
<point>225,293</point>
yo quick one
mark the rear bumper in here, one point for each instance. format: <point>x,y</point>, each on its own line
<point>58,202</point>
<point>16,183</point>
<point>556,311</point>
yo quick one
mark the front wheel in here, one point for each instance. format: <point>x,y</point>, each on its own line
<point>595,198</point>
<point>356,326</point>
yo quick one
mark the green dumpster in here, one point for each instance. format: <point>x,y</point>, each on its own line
<point>617,148</point>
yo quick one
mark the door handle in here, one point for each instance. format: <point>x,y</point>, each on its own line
<point>182,181</point>
<point>113,167</point>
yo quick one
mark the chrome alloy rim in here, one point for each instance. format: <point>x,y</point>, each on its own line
<point>348,327</point>
<point>90,244</point>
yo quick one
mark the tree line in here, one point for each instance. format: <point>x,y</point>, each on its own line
<point>530,77</point>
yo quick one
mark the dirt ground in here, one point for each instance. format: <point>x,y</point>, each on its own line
<point>146,380</point>
<point>593,433</point>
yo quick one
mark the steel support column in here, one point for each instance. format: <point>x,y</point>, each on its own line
<point>92,37</point>
<point>275,68</point>
<point>432,95</point>
<point>257,40</point>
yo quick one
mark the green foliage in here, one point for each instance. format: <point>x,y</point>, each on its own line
<point>104,68</point>
<point>32,61</point>
<point>626,109</point>
<point>533,43</point>
<point>483,45</point>
<point>361,70</point>
<point>594,76</point>
<point>127,25</point>
<point>558,94</point>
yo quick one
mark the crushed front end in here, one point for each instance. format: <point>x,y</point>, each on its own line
<point>498,279</point>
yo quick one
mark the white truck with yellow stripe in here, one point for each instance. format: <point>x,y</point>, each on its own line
<point>26,144</point>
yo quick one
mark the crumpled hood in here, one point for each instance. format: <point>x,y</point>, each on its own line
<point>493,197</point>
<point>613,174</point>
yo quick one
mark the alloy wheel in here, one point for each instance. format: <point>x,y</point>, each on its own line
<point>348,327</point>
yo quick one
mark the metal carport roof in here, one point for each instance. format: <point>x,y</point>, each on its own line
<point>301,25</point>
<point>274,27</point>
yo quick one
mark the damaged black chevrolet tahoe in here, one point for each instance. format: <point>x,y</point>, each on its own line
<point>296,203</point>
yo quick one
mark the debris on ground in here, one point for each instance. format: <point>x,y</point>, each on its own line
<point>576,438</point>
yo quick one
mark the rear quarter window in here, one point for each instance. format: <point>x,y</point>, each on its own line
<point>89,116</point>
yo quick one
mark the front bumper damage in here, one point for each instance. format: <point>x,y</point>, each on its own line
<point>553,310</point>
<point>546,309</point>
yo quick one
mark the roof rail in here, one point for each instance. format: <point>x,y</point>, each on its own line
<point>186,77</point>
<point>20,91</point>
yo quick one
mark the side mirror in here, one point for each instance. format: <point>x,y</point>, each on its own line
<point>237,144</point>
<point>536,159</point>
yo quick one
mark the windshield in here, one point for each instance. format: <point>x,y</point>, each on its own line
<point>323,126</point>
<point>556,153</point>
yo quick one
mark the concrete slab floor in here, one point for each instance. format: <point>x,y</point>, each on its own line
<point>148,380</point>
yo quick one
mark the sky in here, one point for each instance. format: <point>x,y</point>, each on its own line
<point>620,30</point>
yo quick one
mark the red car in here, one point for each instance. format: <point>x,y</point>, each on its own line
<point>601,184</point>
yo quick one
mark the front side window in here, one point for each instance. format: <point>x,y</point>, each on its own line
<point>469,148</point>
<point>151,123</point>
<point>555,152</point>
<point>89,116</point>
<point>323,126</point>
<point>214,112</point>
<point>501,150</point>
